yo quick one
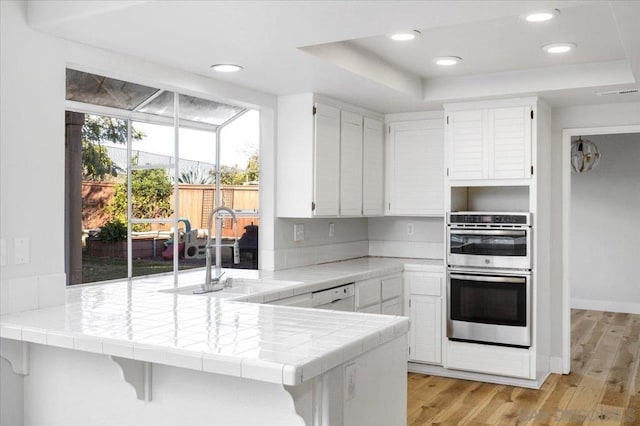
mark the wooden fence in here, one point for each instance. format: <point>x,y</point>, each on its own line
<point>195,203</point>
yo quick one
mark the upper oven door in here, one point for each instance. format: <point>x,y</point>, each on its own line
<point>489,248</point>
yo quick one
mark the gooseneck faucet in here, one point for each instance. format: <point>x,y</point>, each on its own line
<point>209,281</point>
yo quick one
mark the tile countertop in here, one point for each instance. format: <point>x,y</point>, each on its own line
<point>225,334</point>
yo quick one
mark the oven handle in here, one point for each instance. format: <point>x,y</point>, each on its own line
<point>488,232</point>
<point>510,280</point>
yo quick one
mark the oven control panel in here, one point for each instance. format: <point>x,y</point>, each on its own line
<point>482,218</point>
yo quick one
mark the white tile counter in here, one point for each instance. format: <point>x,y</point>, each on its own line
<point>220,333</point>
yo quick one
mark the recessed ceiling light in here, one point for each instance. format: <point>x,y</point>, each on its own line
<point>558,47</point>
<point>540,15</point>
<point>226,67</point>
<point>447,61</point>
<point>405,36</point>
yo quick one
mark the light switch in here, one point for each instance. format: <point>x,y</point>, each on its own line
<point>298,232</point>
<point>21,251</point>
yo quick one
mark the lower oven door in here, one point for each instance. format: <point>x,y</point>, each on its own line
<point>489,307</point>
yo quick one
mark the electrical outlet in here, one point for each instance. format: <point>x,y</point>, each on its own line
<point>332,229</point>
<point>21,251</point>
<point>409,228</point>
<point>349,381</point>
<point>298,232</point>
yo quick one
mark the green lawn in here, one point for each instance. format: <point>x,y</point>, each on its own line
<point>104,268</point>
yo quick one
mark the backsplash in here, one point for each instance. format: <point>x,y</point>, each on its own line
<point>349,241</point>
<point>416,237</point>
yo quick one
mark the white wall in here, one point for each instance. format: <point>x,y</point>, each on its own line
<point>567,118</point>
<point>350,241</point>
<point>32,92</point>
<point>389,236</point>
<point>605,206</point>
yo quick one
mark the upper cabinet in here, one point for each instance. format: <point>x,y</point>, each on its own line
<point>351,164</point>
<point>490,143</point>
<point>372,167</point>
<point>415,168</point>
<point>326,200</point>
<point>329,159</point>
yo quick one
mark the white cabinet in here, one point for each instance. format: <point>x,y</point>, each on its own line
<point>487,144</point>
<point>415,168</point>
<point>326,151</point>
<point>368,296</point>
<point>327,160</point>
<point>373,168</point>
<point>351,164</point>
<point>425,307</point>
<point>380,295</point>
<point>425,340</point>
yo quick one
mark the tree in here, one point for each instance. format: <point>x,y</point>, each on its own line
<point>96,163</point>
<point>236,176</point>
<point>151,192</point>
<point>253,169</point>
<point>196,175</point>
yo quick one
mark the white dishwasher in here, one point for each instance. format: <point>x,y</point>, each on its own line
<point>341,298</point>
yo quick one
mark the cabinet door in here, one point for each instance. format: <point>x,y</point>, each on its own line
<point>367,292</point>
<point>351,164</point>
<point>415,172</point>
<point>425,337</point>
<point>372,309</point>
<point>510,150</point>
<point>391,307</point>
<point>373,168</point>
<point>327,160</point>
<point>468,157</point>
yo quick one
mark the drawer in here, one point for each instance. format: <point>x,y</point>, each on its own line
<point>423,283</point>
<point>367,292</point>
<point>391,287</point>
<point>501,361</point>
<point>391,307</point>
<point>373,309</point>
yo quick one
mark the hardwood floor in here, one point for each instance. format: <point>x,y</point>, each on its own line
<point>602,389</point>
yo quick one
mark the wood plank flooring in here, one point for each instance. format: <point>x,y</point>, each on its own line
<point>602,389</point>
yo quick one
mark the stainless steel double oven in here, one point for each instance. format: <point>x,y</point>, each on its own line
<point>489,277</point>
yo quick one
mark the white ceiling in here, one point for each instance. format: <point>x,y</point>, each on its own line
<point>340,48</point>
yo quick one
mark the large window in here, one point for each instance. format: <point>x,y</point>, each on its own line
<point>136,173</point>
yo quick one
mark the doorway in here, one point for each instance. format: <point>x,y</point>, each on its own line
<point>567,136</point>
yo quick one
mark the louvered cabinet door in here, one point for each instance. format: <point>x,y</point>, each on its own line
<point>467,141</point>
<point>415,168</point>
<point>510,150</point>
<point>327,160</point>
<point>351,164</point>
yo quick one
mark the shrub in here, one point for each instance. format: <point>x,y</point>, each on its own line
<point>113,231</point>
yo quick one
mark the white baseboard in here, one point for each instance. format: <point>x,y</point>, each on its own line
<point>606,306</point>
<point>437,370</point>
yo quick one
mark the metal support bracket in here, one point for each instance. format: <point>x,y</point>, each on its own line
<point>137,374</point>
<point>16,352</point>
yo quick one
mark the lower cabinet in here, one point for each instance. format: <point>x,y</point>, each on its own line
<point>425,340</point>
<point>391,307</point>
<point>424,304</point>
<point>380,295</point>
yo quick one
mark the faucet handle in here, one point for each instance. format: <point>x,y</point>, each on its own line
<point>228,283</point>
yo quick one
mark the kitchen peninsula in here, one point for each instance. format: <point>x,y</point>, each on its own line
<point>130,352</point>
